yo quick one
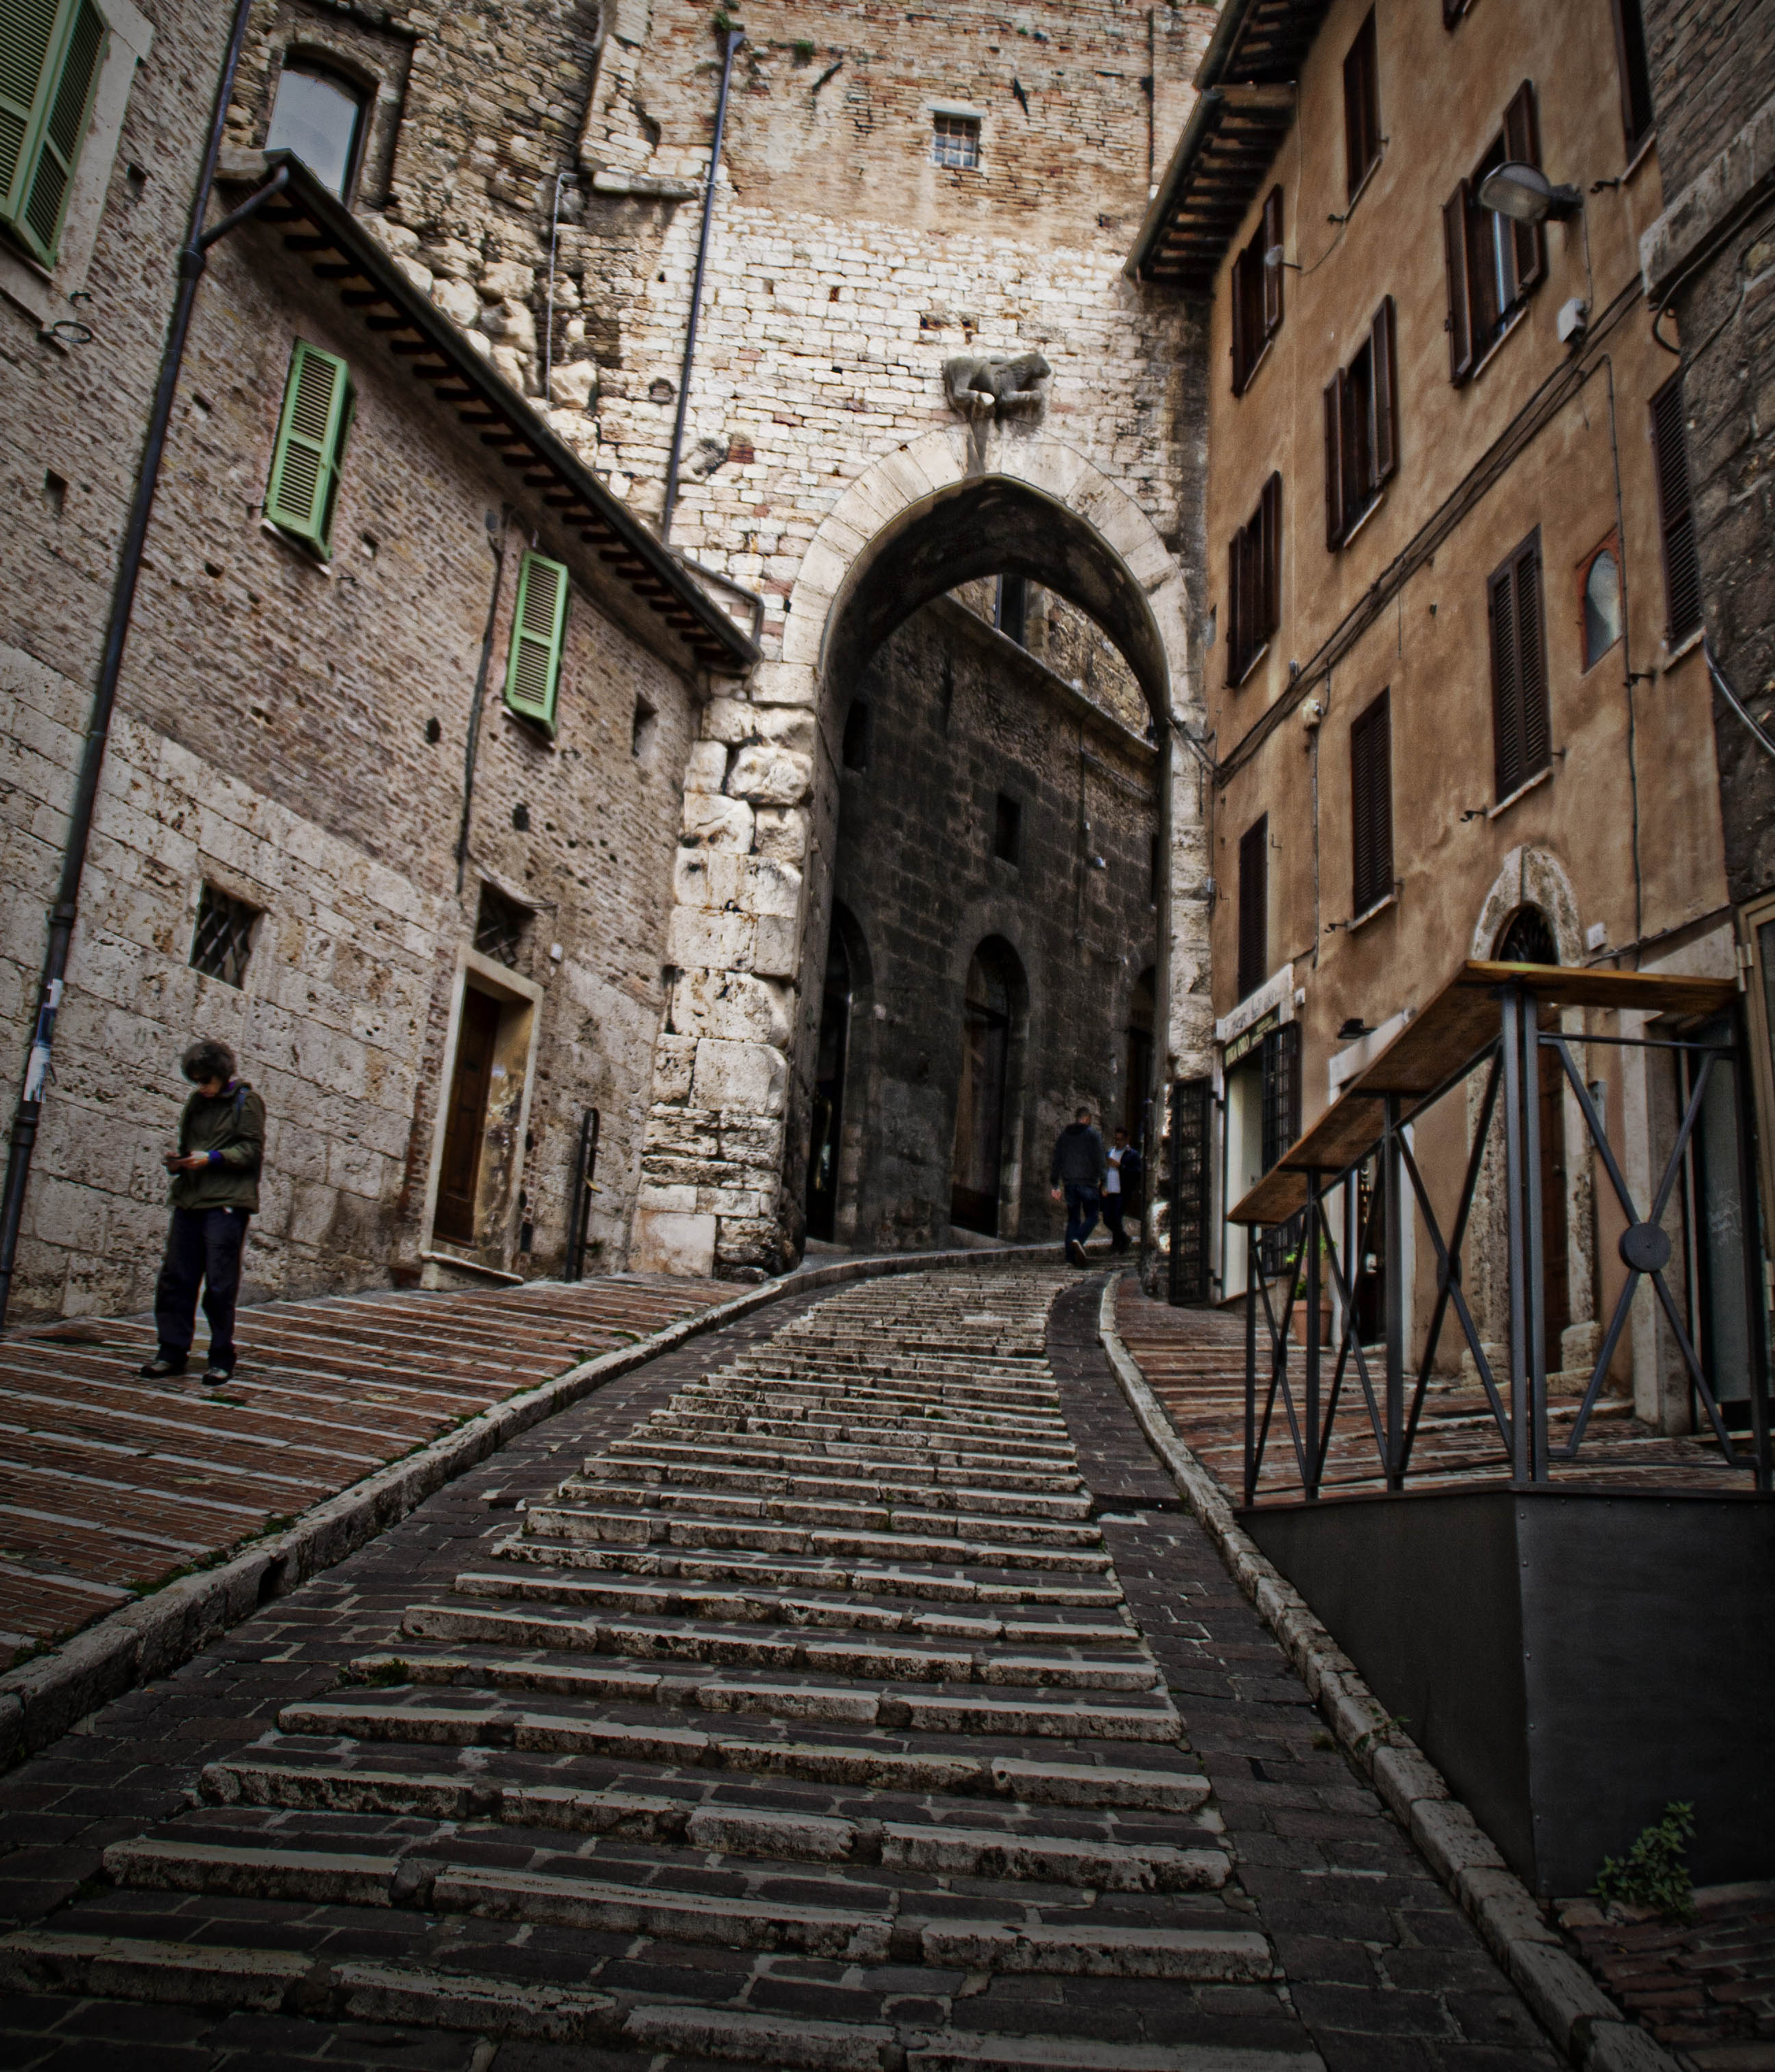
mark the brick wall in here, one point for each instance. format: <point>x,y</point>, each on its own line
<point>1713,66</point>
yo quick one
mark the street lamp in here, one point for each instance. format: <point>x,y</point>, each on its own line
<point>1525,193</point>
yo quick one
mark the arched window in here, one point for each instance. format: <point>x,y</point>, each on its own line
<point>319,114</point>
<point>1602,610</point>
<point>1527,938</point>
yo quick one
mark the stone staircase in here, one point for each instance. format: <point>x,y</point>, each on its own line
<point>822,1673</point>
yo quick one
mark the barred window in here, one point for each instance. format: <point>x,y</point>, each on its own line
<point>954,140</point>
<point>224,940</point>
<point>499,924</point>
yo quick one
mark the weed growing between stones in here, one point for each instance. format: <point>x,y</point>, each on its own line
<point>1654,1873</point>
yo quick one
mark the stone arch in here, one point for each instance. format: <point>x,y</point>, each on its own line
<point>958,504</point>
<point>753,888</point>
<point>1532,877</point>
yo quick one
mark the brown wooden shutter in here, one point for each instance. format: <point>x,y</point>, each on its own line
<point>1235,588</point>
<point>1269,519</point>
<point>1386,414</point>
<point>1335,460</point>
<point>1241,348</point>
<point>1254,889</point>
<point>1455,253</point>
<point>1352,413</point>
<point>1531,661</point>
<point>1451,12</point>
<point>1270,238</point>
<point>1634,72</point>
<point>1362,126</point>
<point>1506,683</point>
<point>1251,594</point>
<point>1371,804</point>
<point>1522,142</point>
<point>1676,511</point>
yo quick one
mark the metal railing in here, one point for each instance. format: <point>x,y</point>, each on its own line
<point>1393,1396</point>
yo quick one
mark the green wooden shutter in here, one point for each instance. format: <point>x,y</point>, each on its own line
<point>50,52</point>
<point>539,624</point>
<point>305,463</point>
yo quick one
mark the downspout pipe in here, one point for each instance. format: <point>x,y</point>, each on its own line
<point>731,40</point>
<point>192,260</point>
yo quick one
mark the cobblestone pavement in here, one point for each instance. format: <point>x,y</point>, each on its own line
<point>862,1698</point>
<point>110,1484</point>
<point>1194,1362</point>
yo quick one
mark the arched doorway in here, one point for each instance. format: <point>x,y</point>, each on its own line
<point>1528,938</point>
<point>1137,1058</point>
<point>832,1054</point>
<point>983,1088</point>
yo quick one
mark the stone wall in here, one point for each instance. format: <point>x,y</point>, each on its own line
<point>1713,75</point>
<point>295,734</point>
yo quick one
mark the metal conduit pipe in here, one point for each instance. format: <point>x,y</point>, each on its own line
<point>191,262</point>
<point>731,40</point>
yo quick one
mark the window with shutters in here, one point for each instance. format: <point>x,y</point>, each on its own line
<point>1254,584</point>
<point>1254,905</point>
<point>1362,429</point>
<point>52,52</point>
<point>303,487</point>
<point>1676,512</point>
<point>1635,74</point>
<point>539,626</point>
<point>1362,107</point>
<point>1493,264</point>
<point>1371,805</point>
<point>1257,295</point>
<point>1522,725</point>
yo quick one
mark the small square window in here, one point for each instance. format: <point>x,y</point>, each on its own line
<point>224,940</point>
<point>499,926</point>
<point>1008,828</point>
<point>955,141</point>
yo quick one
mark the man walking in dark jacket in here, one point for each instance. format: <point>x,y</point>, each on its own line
<point>1076,1174</point>
<point>215,1190</point>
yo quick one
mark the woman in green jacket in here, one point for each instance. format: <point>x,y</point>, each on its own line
<point>215,1189</point>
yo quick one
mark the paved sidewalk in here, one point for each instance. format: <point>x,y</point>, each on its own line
<point>110,1485</point>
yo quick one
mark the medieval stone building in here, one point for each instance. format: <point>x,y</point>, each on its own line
<point>469,810</point>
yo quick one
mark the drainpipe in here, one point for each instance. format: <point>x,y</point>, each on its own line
<point>731,40</point>
<point>192,260</point>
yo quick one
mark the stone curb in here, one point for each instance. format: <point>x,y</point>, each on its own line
<point>1580,2019</point>
<point>41,1700</point>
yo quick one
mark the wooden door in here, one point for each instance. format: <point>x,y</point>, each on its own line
<point>467,1118</point>
<point>980,1119</point>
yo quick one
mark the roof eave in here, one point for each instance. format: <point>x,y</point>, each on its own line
<point>716,631</point>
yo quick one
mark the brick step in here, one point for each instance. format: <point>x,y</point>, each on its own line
<point>751,1492</point>
<point>1025,1711</point>
<point>709,1467</point>
<point>781,1526</point>
<point>908,1392</point>
<point>1129,1668</point>
<point>166,1973</point>
<point>692,1543</point>
<point>950,1586</point>
<point>922,1437</point>
<point>907,1783</point>
<point>935,1465</point>
<point>860,1409</point>
<point>741,1830</point>
<point>854,1933</point>
<point>787,1621</point>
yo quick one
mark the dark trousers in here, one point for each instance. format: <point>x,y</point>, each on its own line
<point>1114,1208</point>
<point>1081,1210</point>
<point>202,1245</point>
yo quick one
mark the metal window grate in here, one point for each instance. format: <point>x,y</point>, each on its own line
<point>224,940</point>
<point>499,924</point>
<point>955,141</point>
